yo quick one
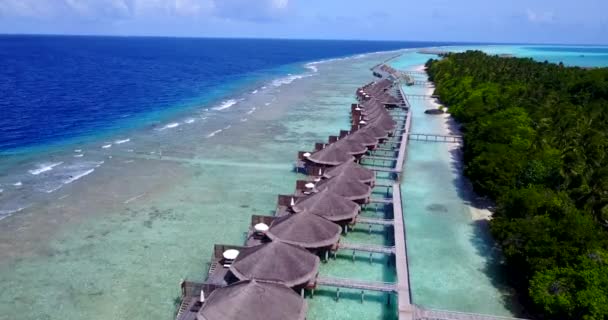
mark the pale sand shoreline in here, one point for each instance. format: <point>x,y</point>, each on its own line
<point>479,208</point>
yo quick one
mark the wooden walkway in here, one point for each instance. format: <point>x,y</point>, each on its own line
<point>405,308</point>
<point>356,284</point>
<point>429,314</point>
<point>435,137</point>
<point>414,73</point>
<point>403,145</point>
<point>367,248</point>
<point>422,97</point>
<point>379,222</point>
<point>382,200</point>
<point>422,83</point>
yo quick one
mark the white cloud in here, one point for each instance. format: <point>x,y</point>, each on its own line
<point>540,17</point>
<point>125,9</point>
<point>30,8</point>
<point>280,4</point>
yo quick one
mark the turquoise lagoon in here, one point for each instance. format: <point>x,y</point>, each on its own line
<point>116,243</point>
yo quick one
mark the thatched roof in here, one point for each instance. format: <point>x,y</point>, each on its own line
<point>331,155</point>
<point>363,138</point>
<point>253,300</point>
<point>306,230</point>
<point>372,104</point>
<point>346,186</point>
<point>385,122</point>
<point>352,169</point>
<point>328,205</point>
<point>375,131</point>
<point>353,147</point>
<point>276,261</point>
<point>375,115</point>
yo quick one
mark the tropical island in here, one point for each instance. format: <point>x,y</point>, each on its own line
<point>536,142</point>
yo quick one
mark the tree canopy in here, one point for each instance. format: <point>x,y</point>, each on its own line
<point>536,141</point>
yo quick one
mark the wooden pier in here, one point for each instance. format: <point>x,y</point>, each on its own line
<point>422,83</point>
<point>422,97</point>
<point>405,308</point>
<point>370,248</point>
<point>414,73</point>
<point>374,221</point>
<point>430,314</point>
<point>435,137</point>
<point>356,284</point>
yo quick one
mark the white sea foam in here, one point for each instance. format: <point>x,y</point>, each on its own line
<point>107,146</point>
<point>264,87</point>
<point>244,120</point>
<point>80,155</point>
<point>254,91</point>
<point>189,121</point>
<point>44,168</point>
<point>289,79</point>
<point>68,174</point>
<point>9,212</point>
<point>18,184</point>
<point>78,176</point>
<point>251,111</point>
<point>267,103</point>
<point>122,141</point>
<point>214,133</point>
<point>312,67</point>
<point>169,126</point>
<point>78,150</point>
<point>226,104</point>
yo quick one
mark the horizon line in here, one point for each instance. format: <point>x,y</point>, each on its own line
<point>449,42</point>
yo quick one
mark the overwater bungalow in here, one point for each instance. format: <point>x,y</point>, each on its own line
<point>222,258</point>
<point>253,300</point>
<point>192,298</point>
<point>346,186</point>
<point>373,131</point>
<point>383,122</point>
<point>259,226</point>
<point>330,206</point>
<point>363,138</point>
<point>352,146</point>
<point>277,261</point>
<point>312,232</point>
<point>352,169</point>
<point>331,155</point>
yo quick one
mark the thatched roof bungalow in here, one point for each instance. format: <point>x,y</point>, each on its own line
<point>277,261</point>
<point>328,205</point>
<point>253,300</point>
<point>306,230</point>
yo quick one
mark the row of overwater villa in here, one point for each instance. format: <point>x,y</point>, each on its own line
<point>349,182</point>
<point>352,179</point>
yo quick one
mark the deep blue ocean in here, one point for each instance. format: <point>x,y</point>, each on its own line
<point>57,88</point>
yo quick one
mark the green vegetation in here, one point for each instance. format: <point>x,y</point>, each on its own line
<point>536,141</point>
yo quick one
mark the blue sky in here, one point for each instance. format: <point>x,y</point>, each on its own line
<point>537,21</point>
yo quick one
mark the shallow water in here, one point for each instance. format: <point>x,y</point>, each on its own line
<point>116,243</point>
<point>450,254</point>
